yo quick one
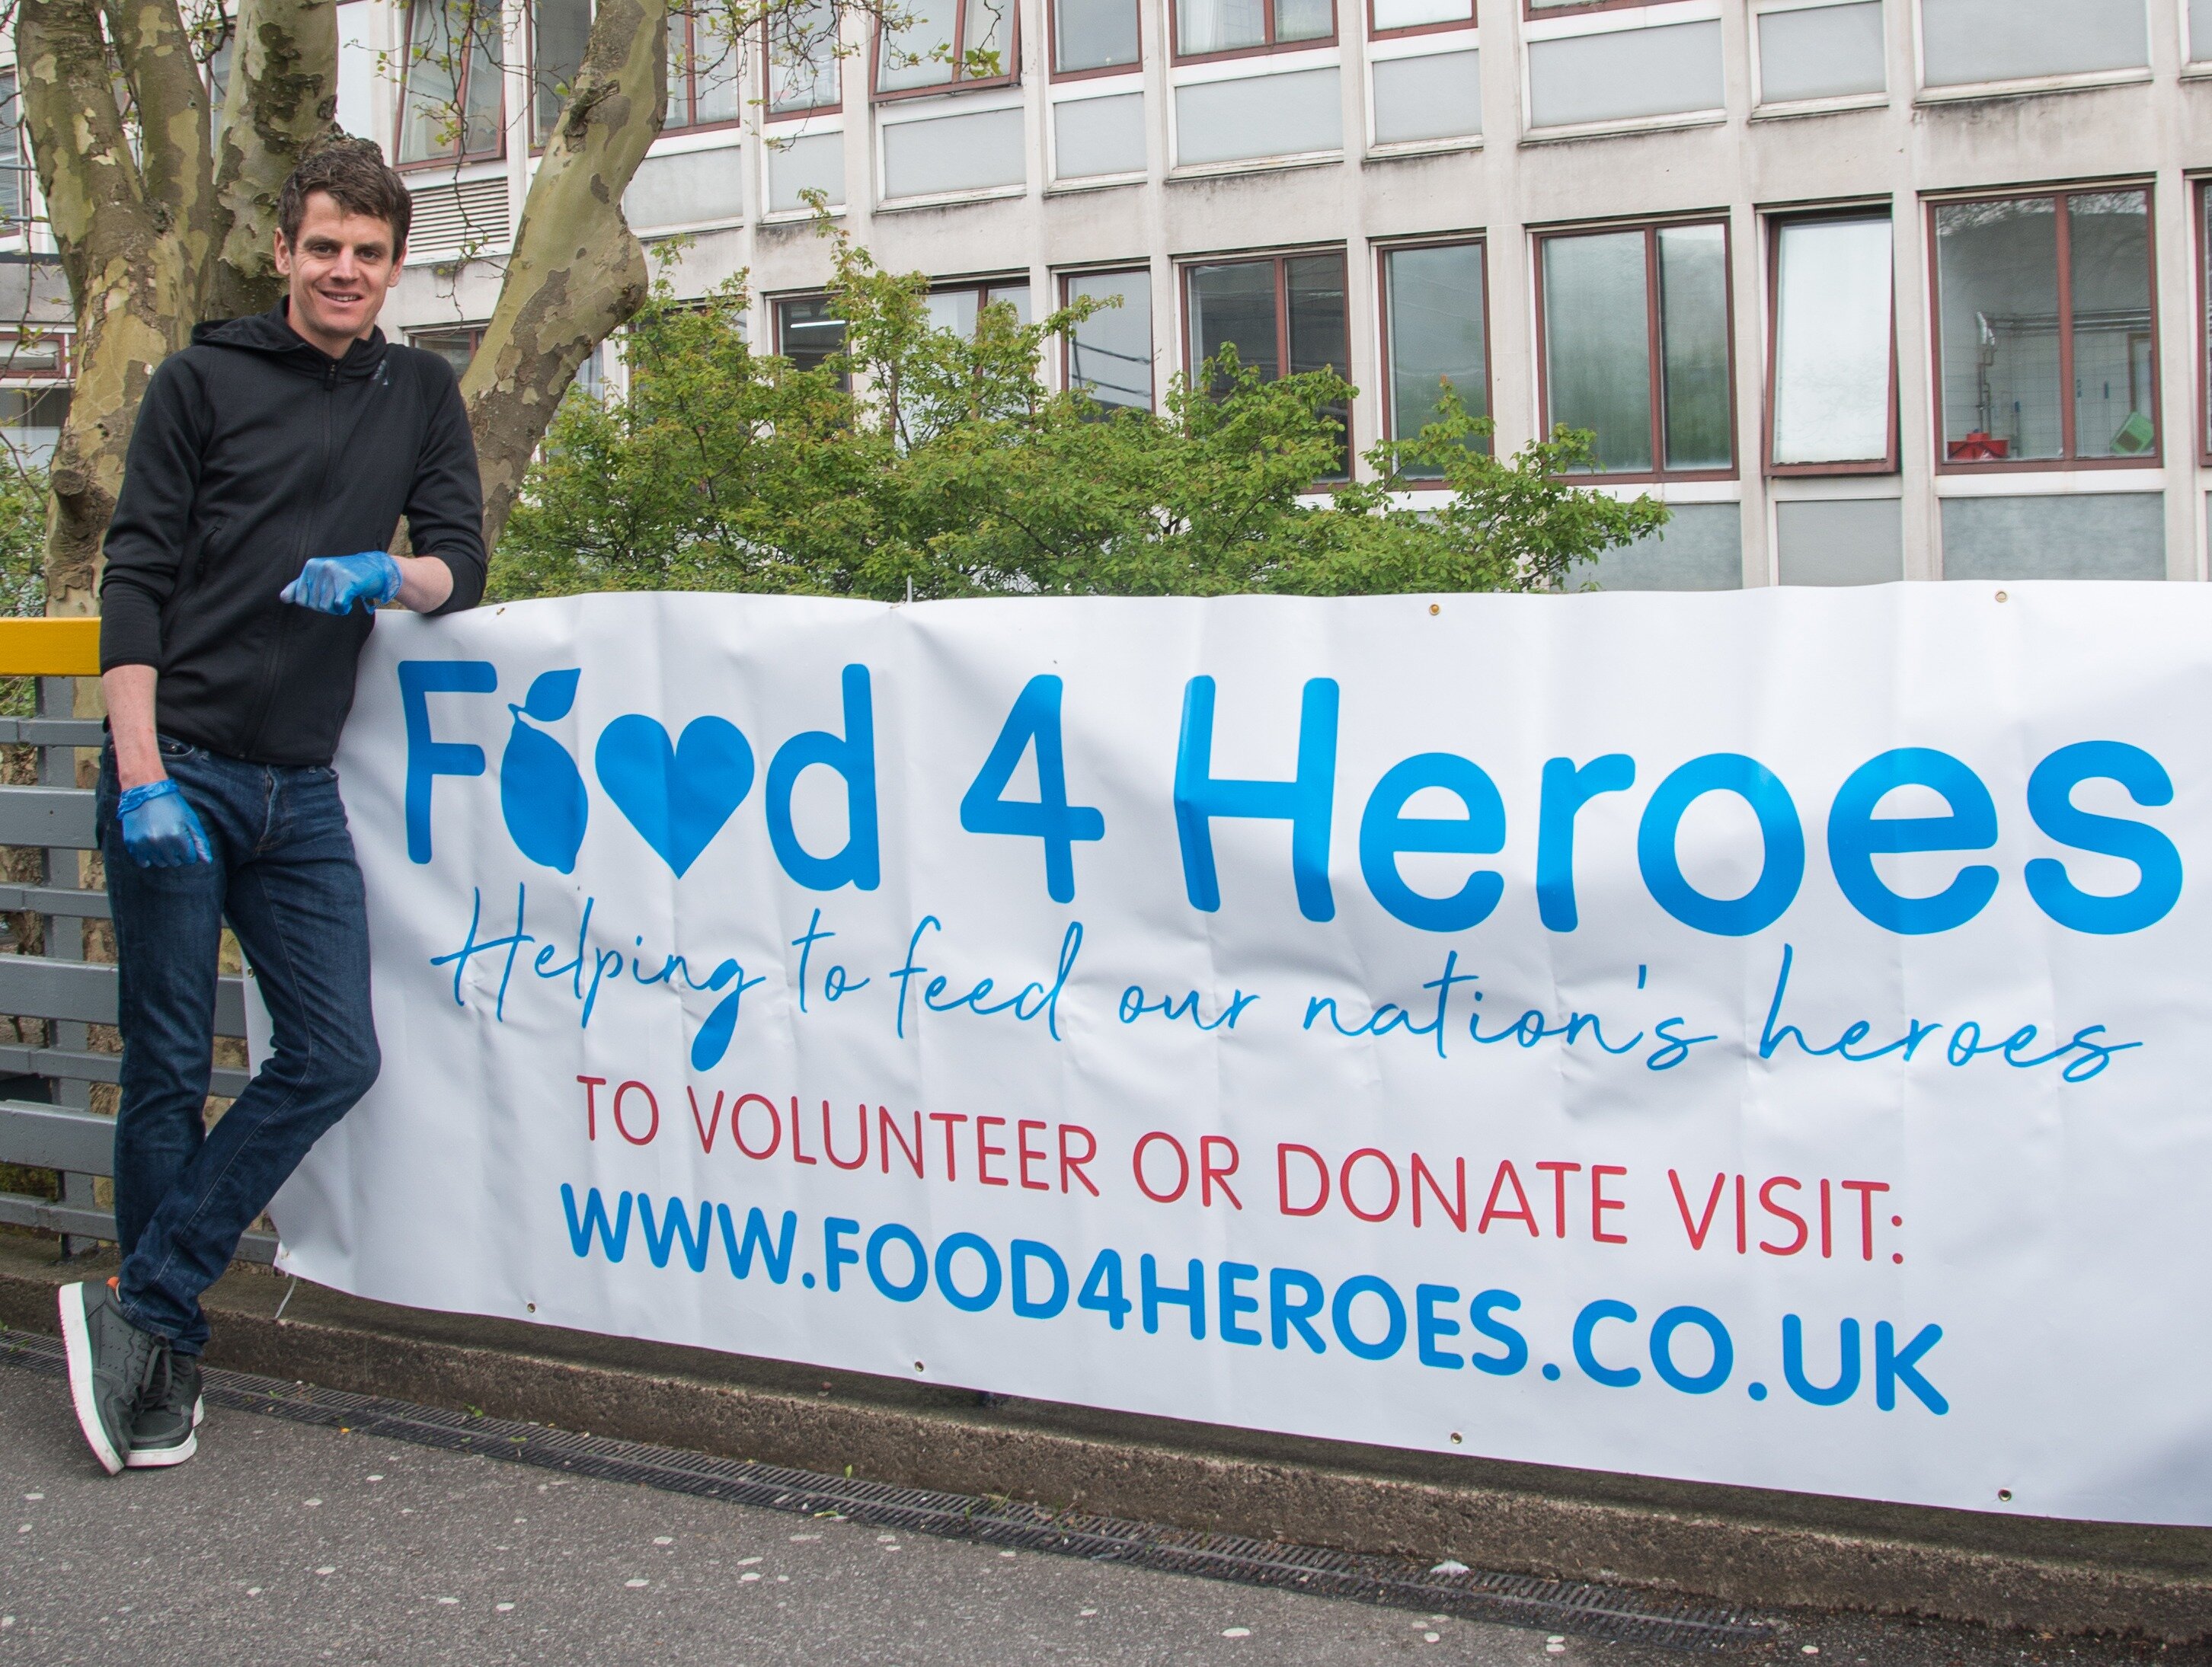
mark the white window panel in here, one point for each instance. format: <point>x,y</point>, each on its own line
<point>1966,41</point>
<point>689,188</point>
<point>1420,14</point>
<point>2200,30</point>
<point>1832,342</point>
<point>1626,75</point>
<point>358,57</point>
<point>977,151</point>
<point>813,161</point>
<point>1284,114</point>
<point>2105,535</point>
<point>1822,53</point>
<point>1094,137</point>
<point>1436,95</point>
<point>1847,541</point>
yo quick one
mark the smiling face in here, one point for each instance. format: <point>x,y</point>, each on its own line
<point>341,267</point>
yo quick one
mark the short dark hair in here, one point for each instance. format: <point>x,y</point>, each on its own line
<point>352,173</point>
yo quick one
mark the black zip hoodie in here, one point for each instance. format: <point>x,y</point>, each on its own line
<point>255,451</point>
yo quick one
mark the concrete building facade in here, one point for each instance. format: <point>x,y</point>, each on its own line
<point>1864,290</point>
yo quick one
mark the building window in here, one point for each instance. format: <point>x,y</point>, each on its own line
<point>1094,36</point>
<point>1834,319</point>
<point>705,86</point>
<point>1284,314</point>
<point>558,30</point>
<point>456,344</point>
<point>947,44</point>
<point>808,330</point>
<point>1391,17</point>
<point>15,169</point>
<point>956,306</point>
<point>1553,7</point>
<point>802,65</point>
<point>1434,335</point>
<point>2038,295</point>
<point>1204,28</point>
<point>1635,333</point>
<point>31,421</point>
<point>450,105</point>
<point>1109,354</point>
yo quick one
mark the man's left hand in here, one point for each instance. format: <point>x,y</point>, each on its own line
<point>333,584</point>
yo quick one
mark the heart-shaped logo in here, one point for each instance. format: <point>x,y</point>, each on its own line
<point>676,797</point>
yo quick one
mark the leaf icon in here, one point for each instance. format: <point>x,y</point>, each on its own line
<point>552,694</point>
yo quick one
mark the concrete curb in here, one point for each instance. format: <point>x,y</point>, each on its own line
<point>1739,1546</point>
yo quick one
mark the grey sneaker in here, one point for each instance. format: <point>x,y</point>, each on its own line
<point>111,1365</point>
<point>168,1413</point>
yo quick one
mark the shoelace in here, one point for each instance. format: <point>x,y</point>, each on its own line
<point>157,1363</point>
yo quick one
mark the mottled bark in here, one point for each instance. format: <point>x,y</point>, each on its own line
<point>283,100</point>
<point>578,271</point>
<point>130,268</point>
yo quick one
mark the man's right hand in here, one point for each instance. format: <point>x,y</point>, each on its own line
<point>161,829</point>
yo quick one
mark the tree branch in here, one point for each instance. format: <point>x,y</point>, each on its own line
<point>156,53</point>
<point>578,271</point>
<point>282,97</point>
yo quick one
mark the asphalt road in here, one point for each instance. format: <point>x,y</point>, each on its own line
<point>283,1542</point>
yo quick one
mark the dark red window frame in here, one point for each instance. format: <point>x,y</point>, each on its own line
<point>1890,462</point>
<point>1650,228</point>
<point>2069,440</point>
<point>1270,46</point>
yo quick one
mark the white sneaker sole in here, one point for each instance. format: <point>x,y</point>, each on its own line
<point>148,1459</point>
<point>160,1458</point>
<point>77,1342</point>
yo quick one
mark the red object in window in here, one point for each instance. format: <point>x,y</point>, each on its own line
<point>1979,447</point>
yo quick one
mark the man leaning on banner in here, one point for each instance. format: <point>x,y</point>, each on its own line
<point>228,652</point>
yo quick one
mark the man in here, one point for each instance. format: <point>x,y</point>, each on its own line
<point>228,650</point>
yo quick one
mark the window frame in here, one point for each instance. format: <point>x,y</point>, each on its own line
<point>2066,462</point>
<point>1531,12</point>
<point>458,157</point>
<point>1065,278</point>
<point>1410,31</point>
<point>14,336</point>
<point>1185,266</point>
<point>530,59</point>
<point>474,332</point>
<point>776,306</point>
<point>1891,463</point>
<point>959,82</point>
<point>1650,228</point>
<point>2200,191</point>
<point>1268,48</point>
<point>20,164</point>
<point>1383,253</point>
<point>769,111</point>
<point>691,83</point>
<point>1054,72</point>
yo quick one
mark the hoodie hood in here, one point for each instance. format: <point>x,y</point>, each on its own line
<point>271,333</point>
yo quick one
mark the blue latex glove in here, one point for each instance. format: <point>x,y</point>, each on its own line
<point>332,584</point>
<point>161,829</point>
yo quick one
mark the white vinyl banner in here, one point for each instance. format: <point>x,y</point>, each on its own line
<point>1760,1039</point>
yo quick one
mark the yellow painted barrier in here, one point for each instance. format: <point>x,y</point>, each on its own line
<point>49,647</point>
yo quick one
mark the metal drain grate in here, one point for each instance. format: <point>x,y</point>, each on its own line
<point>1564,1606</point>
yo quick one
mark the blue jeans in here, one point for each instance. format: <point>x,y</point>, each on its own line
<point>285,877</point>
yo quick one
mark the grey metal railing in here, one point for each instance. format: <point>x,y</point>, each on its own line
<point>45,1117</point>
